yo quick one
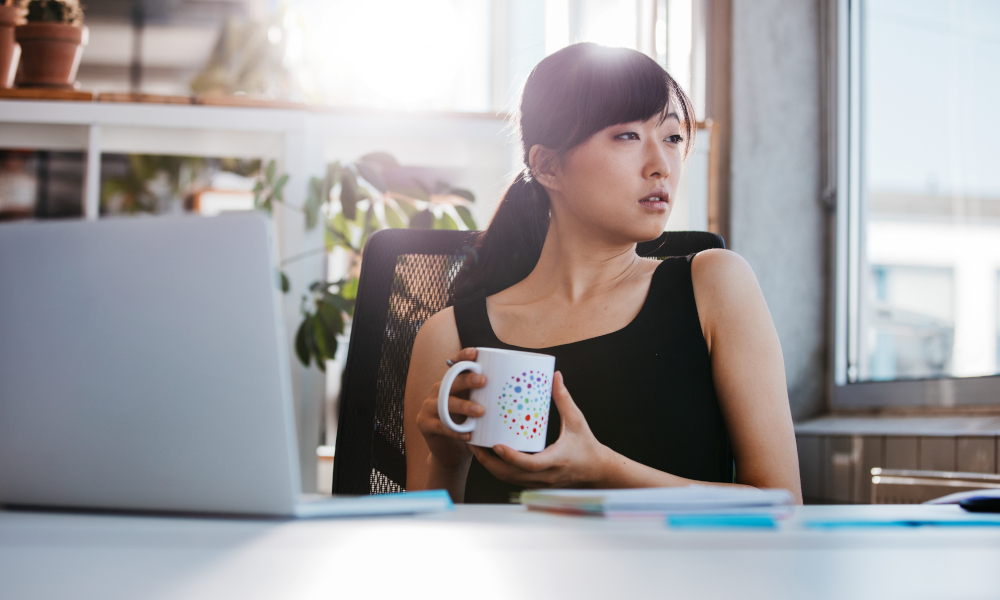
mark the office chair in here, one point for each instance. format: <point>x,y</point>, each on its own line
<point>405,278</point>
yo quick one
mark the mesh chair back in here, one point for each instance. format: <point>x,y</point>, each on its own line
<point>405,278</point>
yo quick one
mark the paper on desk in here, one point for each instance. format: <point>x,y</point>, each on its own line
<point>691,499</point>
<point>374,505</point>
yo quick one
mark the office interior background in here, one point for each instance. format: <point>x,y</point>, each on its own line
<point>847,150</point>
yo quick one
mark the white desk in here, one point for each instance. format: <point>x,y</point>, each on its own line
<point>527,555</point>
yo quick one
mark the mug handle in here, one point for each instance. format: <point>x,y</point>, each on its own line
<point>445,392</point>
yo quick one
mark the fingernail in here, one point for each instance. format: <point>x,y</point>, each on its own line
<point>498,450</point>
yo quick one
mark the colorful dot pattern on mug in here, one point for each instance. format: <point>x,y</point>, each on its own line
<point>524,404</point>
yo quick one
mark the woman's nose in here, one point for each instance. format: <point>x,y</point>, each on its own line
<point>657,164</point>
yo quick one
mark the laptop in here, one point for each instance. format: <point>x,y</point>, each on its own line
<point>145,366</point>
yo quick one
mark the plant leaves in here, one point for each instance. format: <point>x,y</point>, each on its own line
<point>283,282</point>
<point>407,207</point>
<point>301,343</point>
<point>313,203</point>
<point>445,222</point>
<point>319,339</point>
<point>466,215</point>
<point>342,304</point>
<point>350,289</point>
<point>349,195</point>
<point>422,220</point>
<point>392,218</point>
<point>463,194</point>
<point>414,191</point>
<point>276,192</point>
<point>269,172</point>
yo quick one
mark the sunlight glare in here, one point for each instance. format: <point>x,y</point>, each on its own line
<point>404,52</point>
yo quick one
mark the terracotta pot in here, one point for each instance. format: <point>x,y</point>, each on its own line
<point>50,54</point>
<point>10,51</point>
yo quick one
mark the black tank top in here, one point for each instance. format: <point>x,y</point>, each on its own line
<point>646,390</point>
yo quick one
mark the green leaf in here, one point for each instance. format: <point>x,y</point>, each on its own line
<point>332,178</point>
<point>466,215</point>
<point>350,289</point>
<point>422,220</point>
<point>445,222</point>
<point>284,282</point>
<point>407,207</point>
<point>258,187</point>
<point>333,321</point>
<point>392,218</point>
<point>463,194</point>
<point>269,172</point>
<point>301,343</point>
<point>277,193</point>
<point>318,340</point>
<point>414,191</point>
<point>342,304</point>
<point>313,203</point>
<point>349,194</point>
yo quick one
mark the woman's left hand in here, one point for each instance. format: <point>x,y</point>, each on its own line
<point>576,459</point>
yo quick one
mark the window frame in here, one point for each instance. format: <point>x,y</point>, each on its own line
<point>849,263</point>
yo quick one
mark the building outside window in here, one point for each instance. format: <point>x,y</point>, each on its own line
<point>919,229</point>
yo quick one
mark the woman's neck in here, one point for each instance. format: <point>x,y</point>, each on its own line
<point>575,264</point>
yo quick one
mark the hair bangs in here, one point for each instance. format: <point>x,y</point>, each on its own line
<point>597,87</point>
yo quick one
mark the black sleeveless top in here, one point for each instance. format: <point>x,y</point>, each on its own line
<point>646,390</point>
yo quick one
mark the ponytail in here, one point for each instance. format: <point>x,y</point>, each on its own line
<point>509,249</point>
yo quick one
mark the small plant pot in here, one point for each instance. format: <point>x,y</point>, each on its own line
<point>50,54</point>
<point>10,50</point>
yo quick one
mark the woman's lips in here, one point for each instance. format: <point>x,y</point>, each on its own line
<point>654,205</point>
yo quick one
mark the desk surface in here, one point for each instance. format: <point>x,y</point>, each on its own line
<point>486,552</point>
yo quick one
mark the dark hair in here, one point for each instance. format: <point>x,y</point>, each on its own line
<point>569,96</point>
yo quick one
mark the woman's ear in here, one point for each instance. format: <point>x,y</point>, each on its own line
<point>543,164</point>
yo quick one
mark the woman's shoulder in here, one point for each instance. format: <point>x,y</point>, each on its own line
<point>725,288</point>
<point>438,334</point>
<point>719,266</point>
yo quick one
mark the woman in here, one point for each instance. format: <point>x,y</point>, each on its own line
<point>667,371</point>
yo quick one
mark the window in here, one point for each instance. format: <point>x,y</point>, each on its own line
<point>919,216</point>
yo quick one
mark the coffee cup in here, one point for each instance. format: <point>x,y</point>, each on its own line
<point>516,397</point>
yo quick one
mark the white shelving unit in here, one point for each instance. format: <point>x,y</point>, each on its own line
<point>301,141</point>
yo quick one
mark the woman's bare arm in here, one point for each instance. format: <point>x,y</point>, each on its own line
<point>748,370</point>
<point>436,342</point>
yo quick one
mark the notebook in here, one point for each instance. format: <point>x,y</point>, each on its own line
<point>685,500</point>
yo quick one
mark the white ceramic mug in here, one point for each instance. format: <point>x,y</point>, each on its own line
<point>516,397</point>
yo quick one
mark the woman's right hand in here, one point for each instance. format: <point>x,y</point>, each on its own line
<point>449,449</point>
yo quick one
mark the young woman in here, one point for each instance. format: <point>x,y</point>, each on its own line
<point>668,372</point>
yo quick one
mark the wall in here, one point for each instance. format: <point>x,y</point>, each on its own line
<point>777,220</point>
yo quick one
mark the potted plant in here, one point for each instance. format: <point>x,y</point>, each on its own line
<point>351,202</point>
<point>52,43</point>
<point>10,17</point>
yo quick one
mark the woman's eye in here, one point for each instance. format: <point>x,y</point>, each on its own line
<point>675,139</point>
<point>628,135</point>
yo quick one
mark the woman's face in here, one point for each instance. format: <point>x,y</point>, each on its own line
<point>621,182</point>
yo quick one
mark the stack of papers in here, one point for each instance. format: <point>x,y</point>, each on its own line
<point>691,500</point>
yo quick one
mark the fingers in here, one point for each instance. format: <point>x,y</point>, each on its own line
<point>467,381</point>
<point>569,412</point>
<point>466,354</point>
<point>532,463</point>
<point>497,467</point>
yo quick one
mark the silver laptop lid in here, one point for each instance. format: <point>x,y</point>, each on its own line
<point>144,365</point>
